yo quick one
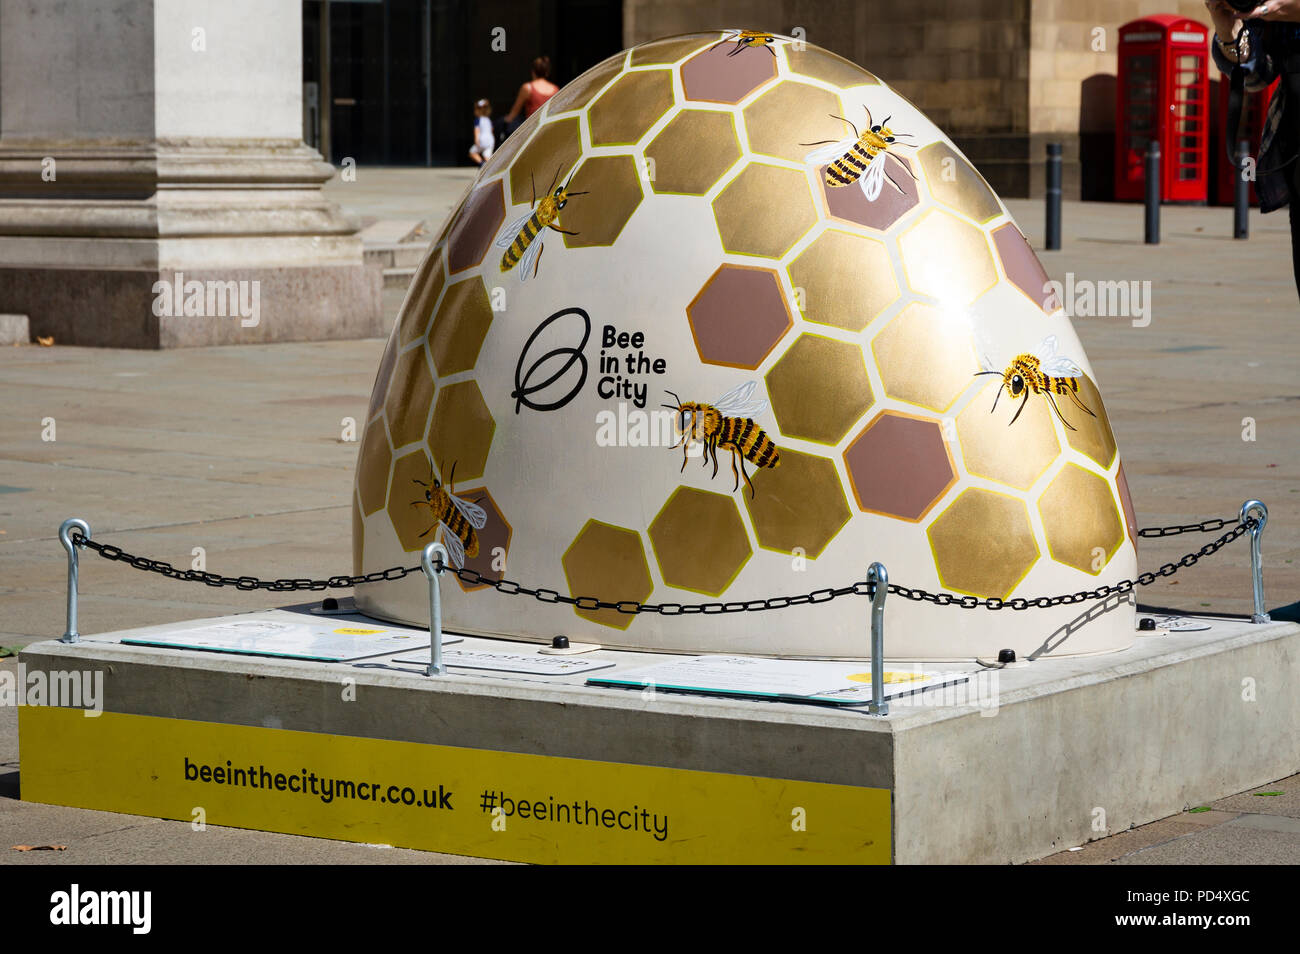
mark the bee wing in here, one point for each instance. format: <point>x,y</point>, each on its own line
<point>455,549</point>
<point>828,153</point>
<point>512,231</point>
<point>739,402</point>
<point>529,260</point>
<point>1046,349</point>
<point>1061,367</point>
<point>472,512</point>
<point>873,180</point>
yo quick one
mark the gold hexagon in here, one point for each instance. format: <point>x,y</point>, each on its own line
<point>407,510</point>
<point>798,505</point>
<point>421,296</point>
<point>668,50</point>
<point>764,210</point>
<point>1082,523</point>
<point>623,113</point>
<point>607,563</point>
<point>373,461</point>
<point>692,152</point>
<point>846,280</point>
<point>956,183</point>
<point>699,541</point>
<point>462,324</point>
<point>579,92</point>
<point>461,431</point>
<point>791,113</point>
<point>358,539</point>
<point>409,396</point>
<point>548,157</point>
<point>1092,435</point>
<point>826,66</point>
<point>947,258</point>
<point>983,544</point>
<point>925,356</point>
<point>615,192</point>
<point>1015,455</point>
<point>819,388</point>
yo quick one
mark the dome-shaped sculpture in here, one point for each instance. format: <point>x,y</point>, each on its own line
<point>755,244</point>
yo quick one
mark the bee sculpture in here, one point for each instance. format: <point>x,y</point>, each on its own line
<point>521,238</point>
<point>860,159</point>
<point>459,518</point>
<point>727,423</point>
<point>746,40</point>
<point>1042,372</point>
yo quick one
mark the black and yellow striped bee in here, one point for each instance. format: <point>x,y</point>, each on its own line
<point>1042,372</point>
<point>521,238</point>
<point>458,518</point>
<point>727,423</point>
<point>747,39</point>
<point>860,159</point>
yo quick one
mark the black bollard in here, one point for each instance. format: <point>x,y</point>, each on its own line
<point>1053,196</point>
<point>1153,193</point>
<point>1241,195</point>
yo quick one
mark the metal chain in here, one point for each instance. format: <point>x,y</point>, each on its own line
<point>631,607</point>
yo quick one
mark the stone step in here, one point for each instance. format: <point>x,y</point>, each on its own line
<point>398,277</point>
<point>396,255</point>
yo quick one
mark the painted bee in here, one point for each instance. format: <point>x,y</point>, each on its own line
<point>727,423</point>
<point>1042,372</point>
<point>521,237</point>
<point>861,159</point>
<point>747,39</point>
<point>459,518</point>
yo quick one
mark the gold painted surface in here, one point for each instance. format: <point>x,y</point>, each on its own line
<point>1080,519</point>
<point>823,65</point>
<point>846,279</point>
<point>373,462</point>
<point>799,504</point>
<point>672,49</point>
<point>462,324</point>
<point>699,541</point>
<point>1017,454</point>
<point>983,544</point>
<point>791,113</point>
<point>925,356</point>
<point>1126,502</point>
<point>947,258</point>
<point>358,539</point>
<point>627,109</point>
<point>426,286</point>
<point>692,152</point>
<point>461,431</point>
<point>615,192</point>
<point>818,389</point>
<point>956,183</point>
<point>555,148</point>
<point>608,563</point>
<point>579,92</point>
<point>379,392</point>
<point>407,510</point>
<point>764,210</point>
<point>409,396</point>
<point>1092,435</point>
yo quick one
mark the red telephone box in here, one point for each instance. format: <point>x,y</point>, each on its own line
<point>1254,110</point>
<point>1163,95</point>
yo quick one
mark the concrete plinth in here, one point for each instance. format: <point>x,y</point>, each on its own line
<point>1051,755</point>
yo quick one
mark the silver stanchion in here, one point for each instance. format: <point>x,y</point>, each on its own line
<point>436,667</point>
<point>876,574</point>
<point>1256,560</point>
<point>70,635</point>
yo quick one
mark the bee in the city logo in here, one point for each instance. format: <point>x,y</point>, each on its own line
<point>727,423</point>
<point>861,159</point>
<point>459,518</point>
<point>747,40</point>
<point>522,237</point>
<point>1041,372</point>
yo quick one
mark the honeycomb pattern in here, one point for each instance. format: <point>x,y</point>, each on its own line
<point>1023,267</point>
<point>407,511</point>
<point>678,164</point>
<point>669,50</point>
<point>847,280</point>
<point>789,114</point>
<point>615,192</point>
<point>819,64</point>
<point>461,430</point>
<point>608,562</point>
<point>799,505</point>
<point>461,326</point>
<point>739,316</point>
<point>898,196</point>
<point>947,258</point>
<point>1126,501</point>
<point>373,460</point>
<point>699,541</point>
<point>580,92</point>
<point>548,157</point>
<point>715,76</point>
<point>1092,435</point>
<point>925,356</point>
<point>899,466</point>
<point>764,210</point>
<point>1083,526</point>
<point>983,544</point>
<point>630,106</point>
<point>819,388</point>
<point>425,289</point>
<point>493,541</point>
<point>955,183</point>
<point>1017,455</point>
<point>409,397</point>
<point>384,374</point>
<point>476,227</point>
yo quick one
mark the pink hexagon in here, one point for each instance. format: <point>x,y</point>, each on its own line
<point>716,77</point>
<point>1023,267</point>
<point>896,199</point>
<point>899,466</point>
<point>476,227</point>
<point>739,316</point>
<point>493,540</point>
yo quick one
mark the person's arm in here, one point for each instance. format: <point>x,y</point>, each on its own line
<point>1234,34</point>
<point>520,100</point>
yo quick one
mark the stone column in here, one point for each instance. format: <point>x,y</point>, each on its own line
<point>155,191</point>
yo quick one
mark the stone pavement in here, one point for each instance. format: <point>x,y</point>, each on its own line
<point>239,450</point>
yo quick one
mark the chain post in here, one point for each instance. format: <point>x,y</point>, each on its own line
<point>1256,559</point>
<point>70,635</point>
<point>879,578</point>
<point>432,570</point>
